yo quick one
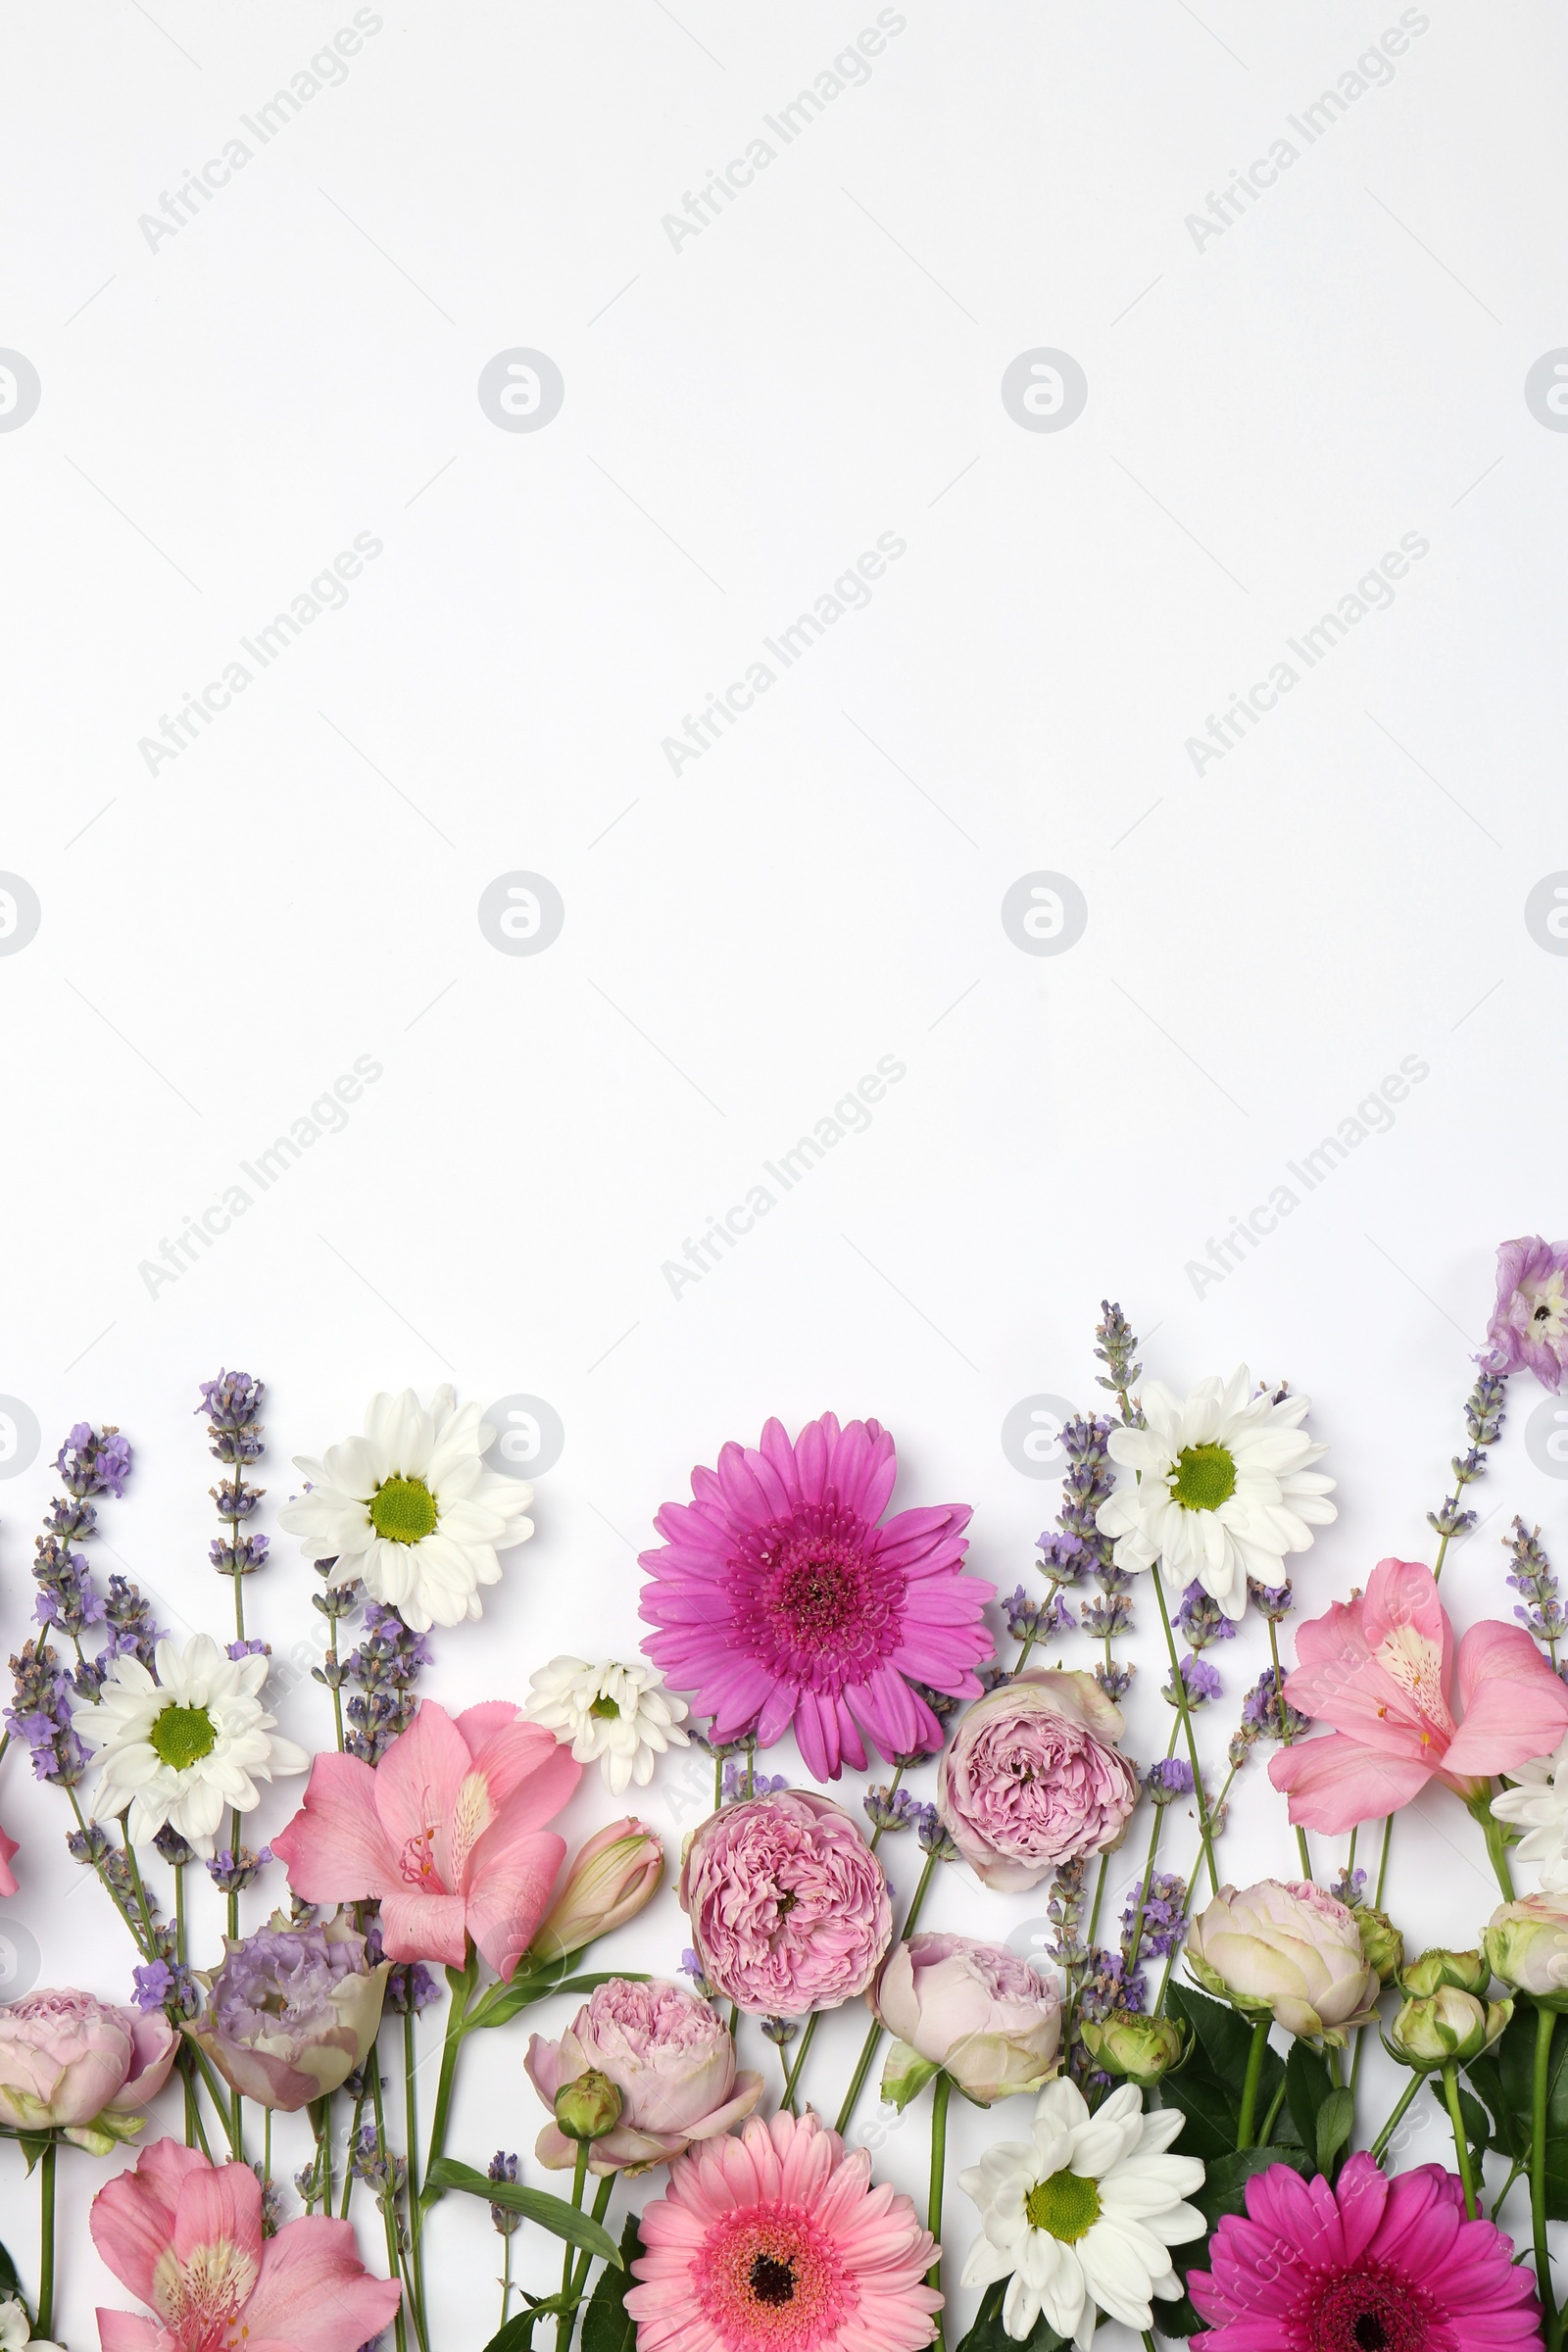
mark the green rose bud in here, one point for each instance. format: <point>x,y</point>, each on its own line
<point>1382,1942</point>
<point>1142,2048</point>
<point>1447,2027</point>
<point>588,2106</point>
<point>1527,1946</point>
<point>1467,1971</point>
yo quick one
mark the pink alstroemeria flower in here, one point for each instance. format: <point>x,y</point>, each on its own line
<point>1380,1670</point>
<point>185,2235</point>
<point>8,1877</point>
<point>447,1832</point>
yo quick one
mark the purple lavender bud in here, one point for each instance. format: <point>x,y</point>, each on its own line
<point>503,2167</point>
<point>1169,1779</point>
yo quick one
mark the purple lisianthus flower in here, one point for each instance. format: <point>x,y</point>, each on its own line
<point>292,2012</point>
<point>1530,1322</point>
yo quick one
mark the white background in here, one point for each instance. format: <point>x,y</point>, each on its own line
<point>223,411</point>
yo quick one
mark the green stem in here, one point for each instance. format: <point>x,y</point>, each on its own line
<point>1521,2164</point>
<point>388,2202</point>
<point>580,2277</point>
<point>266,2144</point>
<point>217,2093</point>
<point>941,2091</point>
<point>1100,1893</point>
<point>718,1782</point>
<point>1284,1737</point>
<point>1179,1687</point>
<point>353,2141</point>
<point>1380,2144</point>
<point>103,1878</point>
<point>505,2274</point>
<point>46,2242</point>
<point>872,2041</point>
<point>1254,2077</point>
<point>1461,2144</point>
<point>337,1696</point>
<point>461,1983</point>
<point>578,2177</point>
<point>892,1790</point>
<point>1383,1859</point>
<point>410,2132</point>
<point>792,2074</point>
<point>1136,1936</point>
<point>233,1847</point>
<point>1273,2116</point>
<point>1545,2024</point>
<point>1497,1843</point>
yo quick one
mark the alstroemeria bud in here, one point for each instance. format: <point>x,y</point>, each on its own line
<point>588,2106</point>
<point>1381,1941</point>
<point>615,1874</point>
<point>1527,1946</point>
<point>1467,1971</point>
<point>1447,2027</point>
<point>1142,2048</point>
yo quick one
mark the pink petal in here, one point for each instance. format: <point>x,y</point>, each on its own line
<point>423,1926</point>
<point>816,1737</point>
<point>1335,1781</point>
<point>132,2216</point>
<point>313,2293</point>
<point>220,2207</point>
<point>812,1450</point>
<point>511,1876</point>
<point>334,1848</point>
<point>1404,1592</point>
<point>8,1877</point>
<point>1514,1705</point>
<point>128,2332</point>
<point>418,1779</point>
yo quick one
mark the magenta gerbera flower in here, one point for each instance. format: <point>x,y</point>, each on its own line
<point>780,1598</point>
<point>1388,2264</point>
<point>776,2242</point>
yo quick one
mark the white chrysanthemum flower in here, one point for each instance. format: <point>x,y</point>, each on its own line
<point>1223,1490</point>
<point>411,1508</point>
<point>1539,1804</point>
<point>1081,2216</point>
<point>183,1749</point>
<point>620,1715</point>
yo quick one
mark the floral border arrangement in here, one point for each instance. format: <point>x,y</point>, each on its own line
<point>1194,2161</point>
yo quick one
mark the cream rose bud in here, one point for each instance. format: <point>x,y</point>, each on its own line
<point>1525,1944</point>
<point>974,2010</point>
<point>1467,1972</point>
<point>1446,2027</point>
<point>1285,1949</point>
<point>1381,1941</point>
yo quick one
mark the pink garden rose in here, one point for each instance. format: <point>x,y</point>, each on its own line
<point>1380,1669</point>
<point>788,1904</point>
<point>671,2060</point>
<point>8,1877</point>
<point>186,2237</point>
<point>1034,1778</point>
<point>80,2065</point>
<point>976,2010</point>
<point>447,1832</point>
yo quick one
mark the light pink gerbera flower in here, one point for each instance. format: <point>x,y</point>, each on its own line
<point>776,2242</point>
<point>780,1600</point>
<point>1371,2261</point>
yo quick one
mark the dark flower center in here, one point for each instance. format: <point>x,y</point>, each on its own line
<point>773,2281</point>
<point>819,1597</point>
<point>1367,2312</point>
<point>819,1604</point>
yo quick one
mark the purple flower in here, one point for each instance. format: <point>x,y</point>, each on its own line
<point>503,2167</point>
<point>1163,1923</point>
<point>895,1810</point>
<point>1169,1779</point>
<point>1202,1619</point>
<point>1200,1680</point>
<point>1530,1321</point>
<point>168,1985</point>
<point>232,1871</point>
<point>292,2012</point>
<point>734,1787</point>
<point>1534,1577</point>
<point>1269,1711</point>
<point>1276,1602</point>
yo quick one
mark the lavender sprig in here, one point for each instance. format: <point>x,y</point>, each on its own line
<point>233,1403</point>
<point>1534,1577</point>
<point>384,1669</point>
<point>1484,1418</point>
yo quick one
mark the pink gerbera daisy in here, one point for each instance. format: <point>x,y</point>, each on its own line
<point>777,2242</point>
<point>1372,2265</point>
<point>780,1598</point>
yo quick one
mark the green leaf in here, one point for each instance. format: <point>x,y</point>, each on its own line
<point>1515,2054</point>
<point>32,2145</point>
<point>1335,2120</point>
<point>988,2334</point>
<point>1207,2088</point>
<point>502,2001</point>
<point>534,2204</point>
<point>608,2326</point>
<point>1510,2130</point>
<point>517,2334</point>
<point>1307,2084</point>
<point>10,2284</point>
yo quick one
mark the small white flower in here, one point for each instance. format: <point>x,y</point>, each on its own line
<point>1223,1490</point>
<point>16,2332</point>
<point>623,1715</point>
<point>411,1508</point>
<point>1080,2216</point>
<point>183,1749</point>
<point>1540,1804</point>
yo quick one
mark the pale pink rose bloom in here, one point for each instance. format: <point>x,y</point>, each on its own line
<point>1034,1778</point>
<point>446,1832</point>
<point>668,2056</point>
<point>1380,1670</point>
<point>186,2237</point>
<point>788,1904</point>
<point>1285,1949</point>
<point>976,2010</point>
<point>8,1877</point>
<point>67,2059</point>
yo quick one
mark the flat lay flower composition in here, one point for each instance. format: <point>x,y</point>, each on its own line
<point>1179,2139</point>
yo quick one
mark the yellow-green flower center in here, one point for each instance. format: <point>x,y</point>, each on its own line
<point>181,1736</point>
<point>1068,2205</point>
<point>1203,1478</point>
<point>402,1510</point>
<point>607,1709</point>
